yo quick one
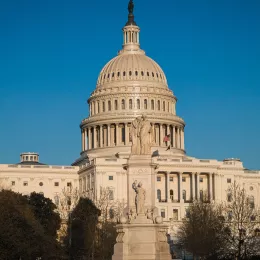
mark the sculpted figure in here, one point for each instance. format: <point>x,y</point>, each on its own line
<point>141,131</point>
<point>145,140</point>
<point>135,136</point>
<point>139,197</point>
<point>131,7</point>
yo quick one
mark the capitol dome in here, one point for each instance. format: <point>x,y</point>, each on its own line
<point>129,86</point>
<point>133,66</point>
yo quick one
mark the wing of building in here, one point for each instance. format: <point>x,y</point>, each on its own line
<point>131,85</point>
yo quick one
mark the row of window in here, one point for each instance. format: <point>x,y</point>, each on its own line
<point>164,106</point>
<point>131,73</point>
<point>171,179</point>
<point>184,179</point>
<point>26,183</point>
<point>26,158</point>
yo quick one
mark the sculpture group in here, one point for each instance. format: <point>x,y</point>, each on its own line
<point>140,134</point>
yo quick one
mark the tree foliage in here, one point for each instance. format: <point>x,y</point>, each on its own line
<point>22,236</point>
<point>241,223</point>
<point>200,232</point>
<point>81,238</point>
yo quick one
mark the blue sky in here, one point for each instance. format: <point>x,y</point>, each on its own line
<point>52,52</point>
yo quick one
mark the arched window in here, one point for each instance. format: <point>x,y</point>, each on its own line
<point>229,197</point>
<point>163,105</point>
<point>111,213</point>
<point>138,103</point>
<point>109,105</point>
<point>152,104</point>
<point>130,104</point>
<point>158,105</point>
<point>116,105</point>
<point>184,195</point>
<point>159,195</point>
<point>56,200</point>
<point>98,107</point>
<point>251,201</point>
<point>123,104</point>
<point>103,106</point>
<point>145,104</point>
<point>124,73</point>
<point>171,195</point>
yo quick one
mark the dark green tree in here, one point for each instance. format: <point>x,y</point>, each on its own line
<point>82,230</point>
<point>44,210</point>
<point>22,236</point>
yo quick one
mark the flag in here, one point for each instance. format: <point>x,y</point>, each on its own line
<point>166,138</point>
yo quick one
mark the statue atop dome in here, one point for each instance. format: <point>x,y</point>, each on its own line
<point>131,7</point>
<point>131,13</point>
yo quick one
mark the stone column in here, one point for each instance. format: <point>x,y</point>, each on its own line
<point>161,135</point>
<point>168,132</point>
<point>95,136</point>
<point>86,139</point>
<point>173,137</point>
<point>89,138</point>
<point>168,186</point>
<point>210,186</point>
<point>126,134</point>
<point>101,136</point>
<point>182,139</point>
<point>117,135</point>
<point>198,185</point>
<point>180,187</point>
<point>193,185</point>
<point>108,135</point>
<point>82,140</point>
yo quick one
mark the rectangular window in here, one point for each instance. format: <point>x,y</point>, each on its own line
<point>13,183</point>
<point>158,178</point>
<point>25,183</point>
<point>171,178</point>
<point>56,184</point>
<point>183,179</point>
<point>110,178</point>
<point>68,184</point>
<point>201,179</point>
<point>163,213</point>
<point>228,180</point>
<point>123,134</point>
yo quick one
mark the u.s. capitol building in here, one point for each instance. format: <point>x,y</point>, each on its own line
<point>131,85</point>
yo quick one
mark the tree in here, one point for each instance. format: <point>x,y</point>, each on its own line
<point>241,223</point>
<point>81,235</point>
<point>111,210</point>
<point>200,231</point>
<point>44,210</point>
<point>21,235</point>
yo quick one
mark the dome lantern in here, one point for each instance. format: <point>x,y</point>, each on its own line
<point>131,31</point>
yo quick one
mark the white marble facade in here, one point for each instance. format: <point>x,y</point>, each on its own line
<point>131,85</point>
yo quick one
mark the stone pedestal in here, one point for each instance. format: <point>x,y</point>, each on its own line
<point>141,242</point>
<point>141,236</point>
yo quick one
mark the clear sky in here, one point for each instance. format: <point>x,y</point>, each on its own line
<point>52,51</point>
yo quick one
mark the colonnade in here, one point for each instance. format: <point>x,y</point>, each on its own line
<point>118,134</point>
<point>196,191</point>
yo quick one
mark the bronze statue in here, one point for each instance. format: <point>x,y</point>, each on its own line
<point>131,7</point>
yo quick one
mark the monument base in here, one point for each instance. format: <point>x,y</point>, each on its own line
<point>141,241</point>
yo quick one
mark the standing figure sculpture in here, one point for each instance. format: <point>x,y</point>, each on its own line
<point>135,136</point>
<point>145,139</point>
<point>139,197</point>
<point>131,7</point>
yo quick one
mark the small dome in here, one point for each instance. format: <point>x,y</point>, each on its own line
<point>131,66</point>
